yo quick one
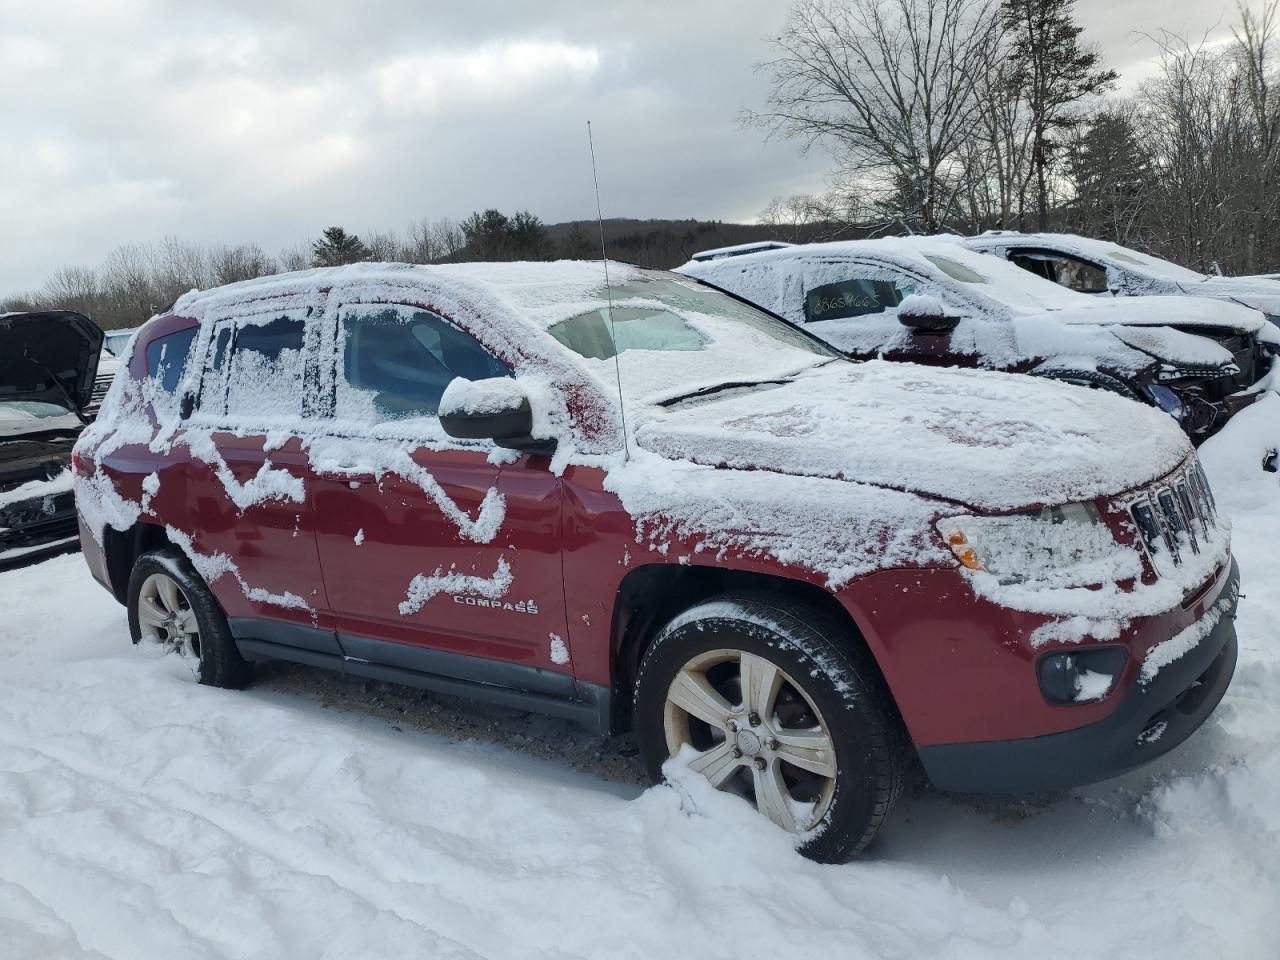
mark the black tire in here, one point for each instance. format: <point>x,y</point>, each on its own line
<point>835,673</point>
<point>219,663</point>
<point>1091,380</point>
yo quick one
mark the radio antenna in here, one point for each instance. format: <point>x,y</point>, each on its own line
<point>608,292</point>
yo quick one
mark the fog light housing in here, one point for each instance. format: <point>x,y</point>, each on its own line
<point>1080,676</point>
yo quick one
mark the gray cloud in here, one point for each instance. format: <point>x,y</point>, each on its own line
<point>267,120</point>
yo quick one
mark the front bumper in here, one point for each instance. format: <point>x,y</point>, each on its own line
<point>1150,721</point>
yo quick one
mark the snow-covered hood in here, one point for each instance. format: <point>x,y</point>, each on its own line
<point>1248,291</point>
<point>991,441</point>
<point>1162,311</point>
<point>48,357</point>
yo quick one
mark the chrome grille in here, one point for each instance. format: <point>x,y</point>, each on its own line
<point>1176,517</point>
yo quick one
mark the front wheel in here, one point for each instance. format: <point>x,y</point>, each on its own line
<point>777,704</point>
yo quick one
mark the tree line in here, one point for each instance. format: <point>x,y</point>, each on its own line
<point>137,280</point>
<point>967,115</point>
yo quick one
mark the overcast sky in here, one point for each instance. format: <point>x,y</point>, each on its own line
<point>267,120</point>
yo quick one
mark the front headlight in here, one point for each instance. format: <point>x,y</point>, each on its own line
<point>1065,546</point>
<point>1167,400</point>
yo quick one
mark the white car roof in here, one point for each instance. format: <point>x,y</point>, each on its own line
<point>1100,251</point>
<point>736,250</point>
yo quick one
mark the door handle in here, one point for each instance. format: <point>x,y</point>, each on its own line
<point>353,480</point>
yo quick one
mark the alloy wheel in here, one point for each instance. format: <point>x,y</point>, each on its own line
<point>165,615</point>
<point>756,733</point>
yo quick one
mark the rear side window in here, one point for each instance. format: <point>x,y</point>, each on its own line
<point>396,363</point>
<point>264,372</point>
<point>852,298</point>
<point>255,368</point>
<point>167,355</point>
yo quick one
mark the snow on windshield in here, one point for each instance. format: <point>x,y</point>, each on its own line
<point>669,336</point>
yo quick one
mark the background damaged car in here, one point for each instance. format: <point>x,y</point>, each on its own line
<point>48,366</point>
<point>1099,267</point>
<point>931,300</point>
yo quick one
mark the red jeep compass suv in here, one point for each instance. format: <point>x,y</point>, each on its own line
<point>653,505</point>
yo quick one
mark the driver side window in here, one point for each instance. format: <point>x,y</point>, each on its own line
<point>1071,272</point>
<point>396,362</point>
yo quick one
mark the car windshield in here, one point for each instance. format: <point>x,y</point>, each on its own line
<point>674,337</point>
<point>30,410</point>
<point>116,340</point>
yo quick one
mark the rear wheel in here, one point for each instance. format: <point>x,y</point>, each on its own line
<point>171,605</point>
<point>775,703</point>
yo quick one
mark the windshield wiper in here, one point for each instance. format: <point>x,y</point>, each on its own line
<point>740,385</point>
<point>708,391</point>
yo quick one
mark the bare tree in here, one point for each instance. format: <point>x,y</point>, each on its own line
<point>1256,41</point>
<point>890,86</point>
<point>296,257</point>
<point>229,264</point>
<point>447,238</point>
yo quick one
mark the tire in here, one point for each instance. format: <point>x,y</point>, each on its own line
<point>163,582</point>
<point>1091,380</point>
<point>826,683</point>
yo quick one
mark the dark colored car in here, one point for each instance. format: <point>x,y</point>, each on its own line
<point>931,300</point>
<point>48,365</point>
<point>656,507</point>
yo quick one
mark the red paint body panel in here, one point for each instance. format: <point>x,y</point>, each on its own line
<point>960,668</point>
<point>406,534</point>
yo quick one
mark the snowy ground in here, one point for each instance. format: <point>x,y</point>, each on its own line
<point>144,816</point>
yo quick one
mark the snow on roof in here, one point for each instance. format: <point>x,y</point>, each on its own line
<point>511,307</point>
<point>1002,289</point>
<point>738,249</point>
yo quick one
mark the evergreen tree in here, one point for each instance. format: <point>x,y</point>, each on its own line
<point>1053,71</point>
<point>337,247</point>
<point>577,244</point>
<point>1111,172</point>
<point>529,237</point>
<point>488,235</point>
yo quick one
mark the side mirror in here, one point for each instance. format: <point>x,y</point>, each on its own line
<point>925,314</point>
<point>496,409</point>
